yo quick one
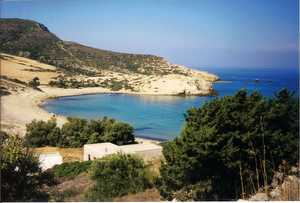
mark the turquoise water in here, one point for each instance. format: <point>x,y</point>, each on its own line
<point>162,117</point>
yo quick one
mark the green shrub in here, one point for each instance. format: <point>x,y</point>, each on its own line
<point>58,195</point>
<point>71,169</point>
<point>34,83</point>
<point>41,133</point>
<point>72,132</point>
<point>117,175</point>
<point>231,146</point>
<point>60,82</point>
<point>119,133</point>
<point>76,132</point>
<point>21,176</point>
<point>112,84</point>
<point>63,82</point>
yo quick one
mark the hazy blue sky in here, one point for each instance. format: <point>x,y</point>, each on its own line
<point>212,33</point>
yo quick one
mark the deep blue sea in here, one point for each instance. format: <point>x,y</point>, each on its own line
<point>162,117</point>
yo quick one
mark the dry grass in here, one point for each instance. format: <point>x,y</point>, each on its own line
<point>71,154</point>
<point>68,154</point>
<point>150,195</point>
<point>290,189</point>
<point>71,190</point>
<point>154,166</point>
<point>18,67</point>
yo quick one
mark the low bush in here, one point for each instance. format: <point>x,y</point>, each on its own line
<point>117,175</point>
<point>71,169</point>
<point>34,83</point>
<point>112,84</point>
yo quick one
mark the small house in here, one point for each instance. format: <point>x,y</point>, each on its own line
<point>99,150</point>
<point>147,151</point>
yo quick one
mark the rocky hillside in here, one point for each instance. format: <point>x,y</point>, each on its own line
<point>82,66</point>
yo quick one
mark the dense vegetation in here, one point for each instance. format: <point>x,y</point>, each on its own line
<point>63,82</point>
<point>21,176</point>
<point>117,175</point>
<point>71,169</point>
<point>33,40</point>
<point>230,147</point>
<point>77,132</point>
<point>23,180</point>
<point>114,85</point>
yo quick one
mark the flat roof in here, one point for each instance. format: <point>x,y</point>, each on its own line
<point>125,148</point>
<point>139,147</point>
<point>104,144</point>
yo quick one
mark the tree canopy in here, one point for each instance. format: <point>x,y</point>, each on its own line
<point>21,176</point>
<point>41,133</point>
<point>230,146</point>
<point>76,132</point>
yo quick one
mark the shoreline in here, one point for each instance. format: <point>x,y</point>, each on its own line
<point>15,115</point>
<point>127,93</point>
<point>140,137</point>
<point>137,137</point>
<point>44,101</point>
<point>25,104</point>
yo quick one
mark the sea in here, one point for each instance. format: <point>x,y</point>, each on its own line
<point>162,117</point>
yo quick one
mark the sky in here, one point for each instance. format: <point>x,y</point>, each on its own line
<point>195,33</point>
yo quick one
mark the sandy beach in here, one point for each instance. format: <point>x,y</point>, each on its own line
<point>21,108</point>
<point>23,104</point>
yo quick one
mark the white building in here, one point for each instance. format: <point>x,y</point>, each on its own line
<point>147,151</point>
<point>48,160</point>
<point>99,150</point>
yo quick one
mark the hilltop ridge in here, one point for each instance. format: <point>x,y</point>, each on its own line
<point>33,40</point>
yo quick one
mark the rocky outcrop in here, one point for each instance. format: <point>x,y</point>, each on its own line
<point>177,85</point>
